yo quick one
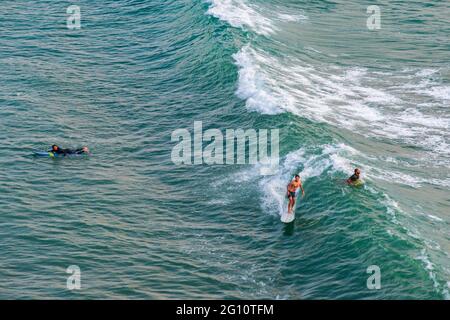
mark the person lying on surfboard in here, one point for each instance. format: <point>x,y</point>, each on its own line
<point>57,150</point>
<point>355,177</point>
<point>292,191</point>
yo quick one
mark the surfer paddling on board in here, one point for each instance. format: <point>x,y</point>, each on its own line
<point>355,178</point>
<point>292,190</point>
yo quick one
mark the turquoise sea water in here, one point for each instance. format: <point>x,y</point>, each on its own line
<point>141,227</point>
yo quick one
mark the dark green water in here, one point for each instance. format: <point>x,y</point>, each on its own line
<point>141,227</point>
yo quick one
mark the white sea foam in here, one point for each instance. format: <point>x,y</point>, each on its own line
<point>430,268</point>
<point>353,98</point>
<point>396,215</point>
<point>435,218</point>
<point>408,106</point>
<point>426,72</point>
<point>414,116</point>
<point>331,159</point>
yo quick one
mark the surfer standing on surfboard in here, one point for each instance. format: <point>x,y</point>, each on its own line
<point>292,190</point>
<point>355,178</point>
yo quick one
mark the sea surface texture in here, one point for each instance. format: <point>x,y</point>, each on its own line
<point>141,227</point>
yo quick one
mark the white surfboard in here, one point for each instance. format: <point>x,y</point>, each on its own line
<point>288,217</point>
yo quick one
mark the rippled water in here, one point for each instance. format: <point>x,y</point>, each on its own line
<point>139,226</point>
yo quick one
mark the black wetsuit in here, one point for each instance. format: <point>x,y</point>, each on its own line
<point>65,152</point>
<point>354,178</point>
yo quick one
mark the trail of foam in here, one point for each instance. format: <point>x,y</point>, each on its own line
<point>337,159</point>
<point>352,98</point>
<point>405,106</point>
<point>395,214</point>
<point>430,268</point>
<point>241,14</point>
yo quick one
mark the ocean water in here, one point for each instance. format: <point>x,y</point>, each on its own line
<point>140,227</point>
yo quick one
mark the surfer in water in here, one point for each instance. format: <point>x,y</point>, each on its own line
<point>57,150</point>
<point>292,191</point>
<point>355,177</point>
